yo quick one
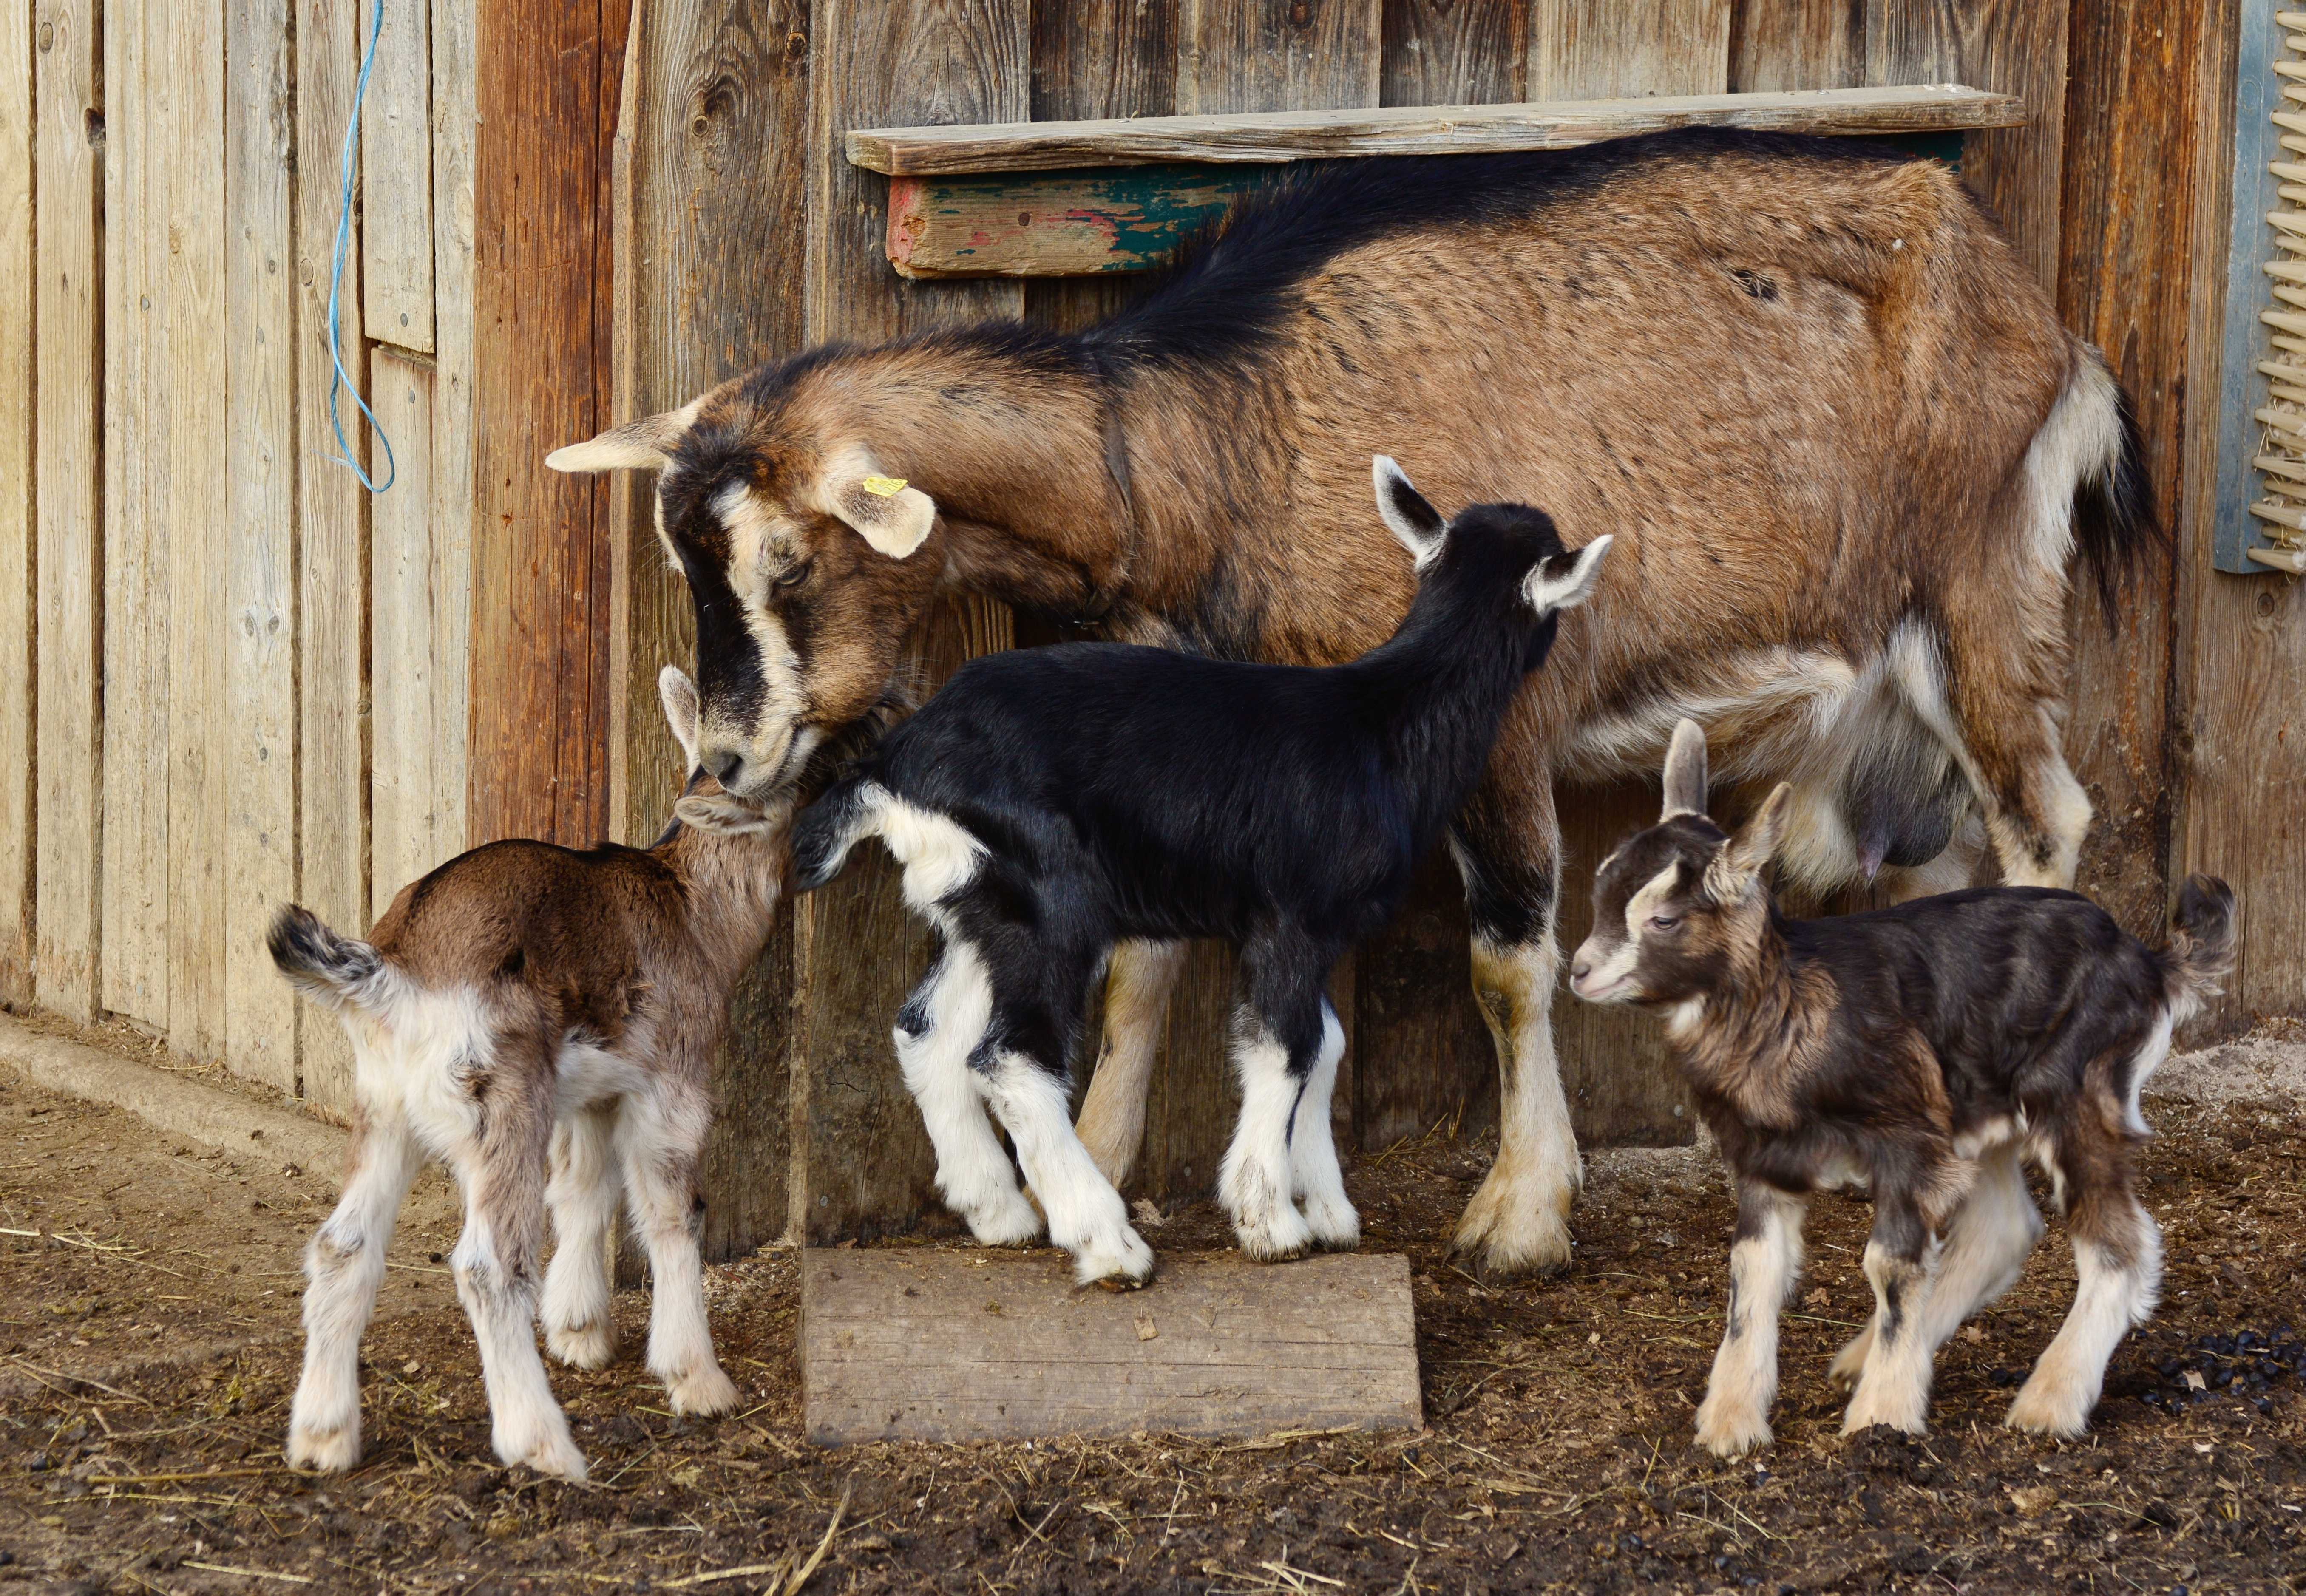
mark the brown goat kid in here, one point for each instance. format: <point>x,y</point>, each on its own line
<point>522,1005</point>
<point>1916,1053</point>
<point>1828,412</point>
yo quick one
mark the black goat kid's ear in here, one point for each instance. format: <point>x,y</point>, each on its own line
<point>1564,581</point>
<point>1406,514</point>
<point>642,445</point>
<point>1742,858</point>
<point>679,696</point>
<point>1685,771</point>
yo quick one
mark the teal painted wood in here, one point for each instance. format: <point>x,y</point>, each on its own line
<point>2242,390</point>
<point>1091,221</point>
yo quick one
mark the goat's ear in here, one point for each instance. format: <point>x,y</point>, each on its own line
<point>642,445</point>
<point>1742,857</point>
<point>1406,514</point>
<point>718,812</point>
<point>1564,581</point>
<point>886,513</point>
<point>679,696</point>
<point>1685,771</point>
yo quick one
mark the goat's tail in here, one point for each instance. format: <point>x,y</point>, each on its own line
<point>2116,525</point>
<point>824,832</point>
<point>2201,951</point>
<point>337,972</point>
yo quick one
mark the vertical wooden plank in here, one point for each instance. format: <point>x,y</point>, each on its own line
<point>450,529</point>
<point>711,161</point>
<point>406,833</point>
<point>260,740</point>
<point>874,61</point>
<point>1593,50</point>
<point>396,154</point>
<point>135,897</point>
<point>1279,54</point>
<point>1797,44</point>
<point>68,374</point>
<point>17,285</point>
<point>1456,52</point>
<point>538,720</point>
<point>331,516</point>
<point>186,67</point>
<point>2125,236</point>
<point>2238,753</point>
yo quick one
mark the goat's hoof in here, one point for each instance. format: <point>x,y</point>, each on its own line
<point>1850,1362</point>
<point>330,1451</point>
<point>2054,1413</point>
<point>1731,1434</point>
<point>1858,1420</point>
<point>1012,1223</point>
<point>555,1456</point>
<point>1336,1227</point>
<point>705,1393</point>
<point>583,1346</point>
<point>1504,1241</point>
<point>1124,1268</point>
<point>1276,1238</point>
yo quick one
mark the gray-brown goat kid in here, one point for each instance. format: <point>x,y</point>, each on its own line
<point>525,1003</point>
<point>1918,1052</point>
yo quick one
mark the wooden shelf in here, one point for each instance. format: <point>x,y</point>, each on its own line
<point>1266,137</point>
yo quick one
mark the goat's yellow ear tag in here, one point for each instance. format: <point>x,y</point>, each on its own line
<point>887,487</point>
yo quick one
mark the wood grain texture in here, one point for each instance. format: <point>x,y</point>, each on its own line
<point>68,482</point>
<point>184,73</point>
<point>862,1161</point>
<point>710,159</point>
<point>135,895</point>
<point>257,626</point>
<point>2239,758</point>
<point>395,156</point>
<point>454,417</point>
<point>1455,52</point>
<point>935,1344</point>
<point>1057,224</point>
<point>2124,242</point>
<point>1778,45</point>
<point>416,730</point>
<point>1560,124</point>
<point>1585,49</point>
<point>544,90</point>
<point>1277,54</point>
<point>18,892</point>
<point>332,555</point>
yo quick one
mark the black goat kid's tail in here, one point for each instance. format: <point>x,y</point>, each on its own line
<point>824,833</point>
<point>2202,939</point>
<point>335,971</point>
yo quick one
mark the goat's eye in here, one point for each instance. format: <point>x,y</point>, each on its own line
<point>1664,922</point>
<point>792,576</point>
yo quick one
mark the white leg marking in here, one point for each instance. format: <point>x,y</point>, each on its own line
<point>660,1136</point>
<point>526,1425</point>
<point>1087,1217</point>
<point>1254,1181</point>
<point>1112,1123</point>
<point>343,1266</point>
<point>1894,1386</point>
<point>973,1171</point>
<point>584,1194</point>
<point>1518,1222</point>
<point>1734,1417</point>
<point>2108,1299</point>
<point>1314,1176</point>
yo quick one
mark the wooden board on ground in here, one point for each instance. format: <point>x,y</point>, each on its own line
<point>945,1345</point>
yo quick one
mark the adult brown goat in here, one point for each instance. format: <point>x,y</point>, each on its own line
<point>1834,424</point>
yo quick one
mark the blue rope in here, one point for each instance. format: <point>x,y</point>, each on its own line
<point>342,378</point>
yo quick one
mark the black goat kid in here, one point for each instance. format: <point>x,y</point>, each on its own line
<point>1918,1053</point>
<point>1049,803</point>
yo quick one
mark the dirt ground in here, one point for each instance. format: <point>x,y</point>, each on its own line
<point>149,1343</point>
